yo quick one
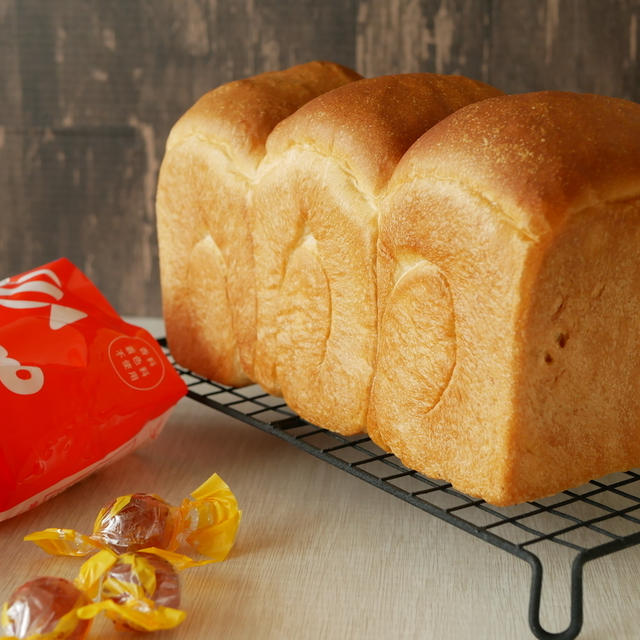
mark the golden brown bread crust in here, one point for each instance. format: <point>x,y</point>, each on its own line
<point>206,256</point>
<point>368,126</point>
<point>508,290</point>
<point>315,236</point>
<point>541,154</point>
<point>240,115</point>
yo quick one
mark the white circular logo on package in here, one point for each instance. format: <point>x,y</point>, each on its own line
<point>136,362</point>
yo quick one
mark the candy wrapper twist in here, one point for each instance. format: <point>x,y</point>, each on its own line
<point>205,523</point>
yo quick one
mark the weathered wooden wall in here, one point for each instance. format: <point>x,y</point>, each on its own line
<point>89,90</point>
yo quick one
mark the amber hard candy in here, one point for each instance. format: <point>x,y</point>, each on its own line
<point>205,523</point>
<point>38,606</point>
<point>144,520</point>
<point>167,585</point>
<point>138,591</point>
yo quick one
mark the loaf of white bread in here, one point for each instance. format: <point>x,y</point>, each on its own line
<point>452,270</point>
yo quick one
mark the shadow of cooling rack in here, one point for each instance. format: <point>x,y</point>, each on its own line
<point>590,521</point>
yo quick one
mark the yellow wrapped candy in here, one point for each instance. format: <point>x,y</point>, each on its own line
<point>206,522</point>
<point>137,591</point>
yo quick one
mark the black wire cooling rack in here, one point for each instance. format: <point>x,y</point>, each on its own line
<point>590,521</point>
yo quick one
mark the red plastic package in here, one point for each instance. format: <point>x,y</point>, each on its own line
<point>79,387</point>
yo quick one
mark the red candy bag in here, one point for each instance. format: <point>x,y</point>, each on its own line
<point>79,387</point>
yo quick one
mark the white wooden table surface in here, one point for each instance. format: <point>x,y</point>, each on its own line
<point>321,554</point>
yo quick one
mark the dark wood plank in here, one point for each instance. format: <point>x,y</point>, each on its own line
<point>528,45</point>
<point>11,203</point>
<point>108,63</point>
<point>570,45</point>
<point>77,193</point>
<point>10,79</point>
<point>441,36</point>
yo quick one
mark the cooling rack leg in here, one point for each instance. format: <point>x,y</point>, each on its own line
<point>575,624</point>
